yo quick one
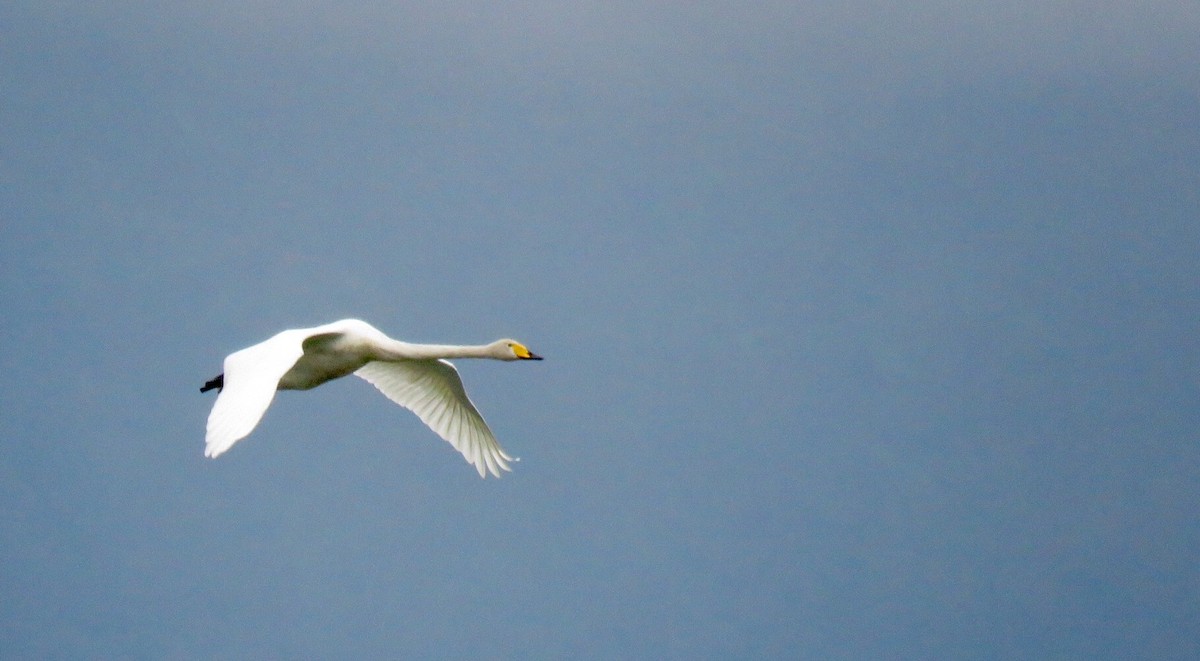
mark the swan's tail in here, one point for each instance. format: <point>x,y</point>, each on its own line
<point>217,382</point>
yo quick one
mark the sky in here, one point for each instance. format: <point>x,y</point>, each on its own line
<point>870,329</point>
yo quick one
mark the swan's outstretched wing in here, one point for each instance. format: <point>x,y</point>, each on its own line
<point>251,378</point>
<point>433,390</point>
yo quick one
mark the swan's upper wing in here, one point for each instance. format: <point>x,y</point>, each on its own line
<point>433,390</point>
<point>251,378</point>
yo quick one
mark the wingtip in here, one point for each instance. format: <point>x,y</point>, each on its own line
<point>491,468</point>
<point>214,450</point>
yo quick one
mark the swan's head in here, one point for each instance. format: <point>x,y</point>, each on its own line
<point>512,350</point>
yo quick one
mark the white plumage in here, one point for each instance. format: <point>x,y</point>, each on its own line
<point>415,376</point>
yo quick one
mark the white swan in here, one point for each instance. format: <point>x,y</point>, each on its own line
<point>415,376</point>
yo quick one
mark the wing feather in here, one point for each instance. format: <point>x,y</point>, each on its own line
<point>433,391</point>
<point>251,379</point>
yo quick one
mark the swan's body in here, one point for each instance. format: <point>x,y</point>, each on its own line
<point>415,376</point>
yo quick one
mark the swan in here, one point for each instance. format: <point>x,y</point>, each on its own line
<point>415,376</point>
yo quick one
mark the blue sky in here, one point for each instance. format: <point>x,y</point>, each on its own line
<point>869,330</point>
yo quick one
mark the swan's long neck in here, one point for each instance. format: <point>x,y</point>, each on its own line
<point>409,351</point>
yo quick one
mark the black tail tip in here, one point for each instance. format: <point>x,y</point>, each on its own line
<point>218,383</point>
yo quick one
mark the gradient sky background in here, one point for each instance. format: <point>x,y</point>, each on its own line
<point>870,330</point>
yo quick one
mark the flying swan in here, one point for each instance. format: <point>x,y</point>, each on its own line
<point>415,376</point>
